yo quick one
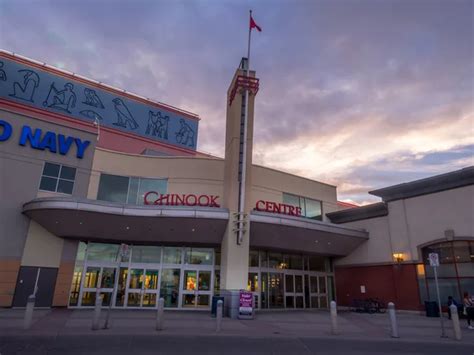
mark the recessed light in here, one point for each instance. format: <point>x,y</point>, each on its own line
<point>192,230</point>
<point>329,243</point>
<point>80,222</point>
<point>127,227</point>
<point>316,241</point>
<point>57,222</point>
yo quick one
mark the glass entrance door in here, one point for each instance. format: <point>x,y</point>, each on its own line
<point>294,290</point>
<point>196,289</point>
<point>97,278</point>
<point>318,292</point>
<point>142,287</point>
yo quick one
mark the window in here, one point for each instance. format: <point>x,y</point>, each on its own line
<point>58,178</point>
<point>131,190</point>
<point>309,208</point>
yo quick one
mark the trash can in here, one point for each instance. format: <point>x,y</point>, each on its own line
<point>214,305</point>
<point>432,309</point>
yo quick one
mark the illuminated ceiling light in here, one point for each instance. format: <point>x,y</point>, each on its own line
<point>316,241</point>
<point>192,230</point>
<point>127,227</point>
<point>398,257</point>
<point>80,222</point>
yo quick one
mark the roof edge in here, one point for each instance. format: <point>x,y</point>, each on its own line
<point>374,210</point>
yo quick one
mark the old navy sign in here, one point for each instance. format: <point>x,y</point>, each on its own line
<point>155,198</point>
<point>36,139</point>
<point>282,208</point>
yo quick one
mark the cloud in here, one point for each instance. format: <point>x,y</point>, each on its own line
<point>362,94</point>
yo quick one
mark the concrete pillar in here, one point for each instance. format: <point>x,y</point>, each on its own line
<point>235,253</point>
<point>219,316</point>
<point>30,306</point>
<point>393,320</point>
<point>160,314</point>
<point>455,320</point>
<point>334,327</point>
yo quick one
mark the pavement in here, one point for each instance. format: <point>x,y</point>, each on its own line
<point>65,331</point>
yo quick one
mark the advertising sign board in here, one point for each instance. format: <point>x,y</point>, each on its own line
<point>245,305</point>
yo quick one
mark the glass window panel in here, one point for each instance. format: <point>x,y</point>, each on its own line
<point>65,187</point>
<point>48,184</point>
<point>447,287</point>
<point>444,251</point>
<point>317,263</point>
<point>289,301</point>
<point>102,251</point>
<point>253,258</point>
<point>76,285</point>
<point>169,287</point>
<point>106,298</point>
<point>134,299</point>
<point>217,257</point>
<point>51,169</point>
<point>289,283</point>
<point>462,252</point>
<point>189,281</point>
<point>217,282</point>
<point>151,279</point>
<point>299,283</point>
<point>252,282</point>
<point>108,277</point>
<point>275,290</point>
<point>467,285</point>
<point>299,301</point>
<point>149,300</point>
<point>136,278</point>
<point>92,277</point>
<point>198,256</point>
<point>323,302</point>
<point>188,300</point>
<point>295,262</point>
<point>68,173</point>
<point>133,191</point>
<point>81,252</point>
<point>88,298</point>
<point>263,259</point>
<point>276,261</point>
<point>322,284</point>
<point>313,209</point>
<point>314,302</point>
<point>291,200</point>
<point>466,269</point>
<point>146,185</point>
<point>113,188</point>
<point>146,254</point>
<point>203,300</point>
<point>204,281</point>
<point>171,255</point>
<point>444,270</point>
<point>121,287</point>
<point>314,284</point>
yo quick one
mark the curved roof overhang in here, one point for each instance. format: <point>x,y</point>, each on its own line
<point>297,234</point>
<point>105,221</point>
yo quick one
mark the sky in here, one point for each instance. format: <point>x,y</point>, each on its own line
<point>361,94</point>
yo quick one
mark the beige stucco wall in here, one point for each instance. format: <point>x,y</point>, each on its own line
<point>269,185</point>
<point>185,175</point>
<point>415,222</point>
<point>42,248</point>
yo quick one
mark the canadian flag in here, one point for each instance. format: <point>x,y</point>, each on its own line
<point>253,24</point>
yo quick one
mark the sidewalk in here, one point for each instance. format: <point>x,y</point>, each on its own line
<point>296,324</point>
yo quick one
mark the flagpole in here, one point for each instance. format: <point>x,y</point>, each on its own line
<point>244,148</point>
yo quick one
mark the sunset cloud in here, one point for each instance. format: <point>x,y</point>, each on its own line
<point>360,94</point>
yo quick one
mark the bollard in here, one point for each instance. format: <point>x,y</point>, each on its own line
<point>393,320</point>
<point>160,314</point>
<point>30,306</point>
<point>455,319</point>
<point>219,316</point>
<point>97,309</point>
<point>334,330</point>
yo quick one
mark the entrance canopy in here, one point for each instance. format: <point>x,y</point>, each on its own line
<point>106,221</point>
<point>287,233</point>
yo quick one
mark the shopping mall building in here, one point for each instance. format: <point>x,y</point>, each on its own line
<point>86,168</point>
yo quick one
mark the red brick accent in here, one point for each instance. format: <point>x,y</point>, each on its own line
<point>390,283</point>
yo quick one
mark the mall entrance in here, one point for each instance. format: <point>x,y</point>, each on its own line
<point>290,281</point>
<point>183,276</point>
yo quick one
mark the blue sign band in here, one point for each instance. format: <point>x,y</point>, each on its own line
<point>52,92</point>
